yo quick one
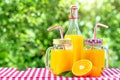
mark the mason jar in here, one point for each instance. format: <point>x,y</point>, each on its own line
<point>96,53</point>
<point>59,56</point>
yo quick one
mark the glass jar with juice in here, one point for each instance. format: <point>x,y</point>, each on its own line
<point>97,54</point>
<point>59,57</point>
<point>74,34</point>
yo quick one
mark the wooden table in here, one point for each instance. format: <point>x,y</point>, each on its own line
<point>44,74</point>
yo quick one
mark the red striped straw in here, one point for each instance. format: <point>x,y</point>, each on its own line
<point>57,27</point>
<point>61,32</point>
<point>96,26</point>
<point>95,30</point>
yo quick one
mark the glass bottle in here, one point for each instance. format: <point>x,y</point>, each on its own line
<point>74,34</point>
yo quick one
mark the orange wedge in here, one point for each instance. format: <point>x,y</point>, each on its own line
<point>82,67</point>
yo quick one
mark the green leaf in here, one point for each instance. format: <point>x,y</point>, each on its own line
<point>66,74</point>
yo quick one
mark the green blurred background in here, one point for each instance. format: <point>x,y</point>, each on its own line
<point>23,28</point>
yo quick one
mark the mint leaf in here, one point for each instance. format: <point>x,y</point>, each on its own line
<point>66,74</point>
<point>63,73</point>
<point>69,74</point>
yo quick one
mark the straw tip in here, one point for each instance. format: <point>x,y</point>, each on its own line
<point>102,25</point>
<point>107,26</point>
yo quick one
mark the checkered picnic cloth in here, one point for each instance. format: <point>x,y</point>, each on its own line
<point>44,74</point>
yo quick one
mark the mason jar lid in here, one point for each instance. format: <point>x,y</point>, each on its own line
<point>61,41</point>
<point>94,41</point>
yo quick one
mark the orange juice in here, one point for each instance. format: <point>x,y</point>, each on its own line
<point>77,44</point>
<point>61,61</point>
<point>96,56</point>
<point>95,72</point>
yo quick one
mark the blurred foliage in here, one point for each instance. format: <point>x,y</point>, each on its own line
<point>23,28</point>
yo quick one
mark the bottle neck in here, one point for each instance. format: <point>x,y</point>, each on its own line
<point>74,25</point>
<point>73,28</point>
<point>74,22</point>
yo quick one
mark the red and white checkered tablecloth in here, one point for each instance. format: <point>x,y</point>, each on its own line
<point>44,74</point>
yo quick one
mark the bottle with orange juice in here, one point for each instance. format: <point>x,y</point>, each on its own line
<point>74,34</point>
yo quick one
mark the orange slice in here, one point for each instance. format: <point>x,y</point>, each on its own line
<point>82,67</point>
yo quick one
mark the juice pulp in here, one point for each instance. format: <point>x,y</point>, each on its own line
<point>96,56</point>
<point>60,61</point>
<point>77,44</point>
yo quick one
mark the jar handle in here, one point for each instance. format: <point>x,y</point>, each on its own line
<point>107,57</point>
<point>47,64</point>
